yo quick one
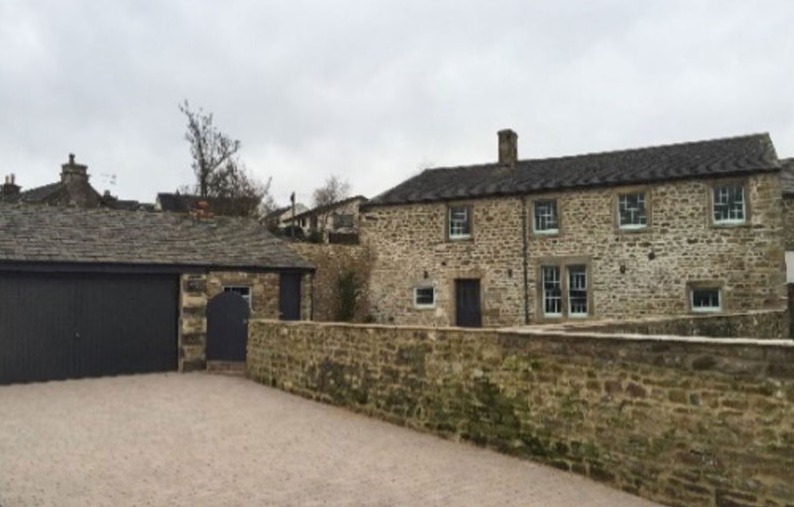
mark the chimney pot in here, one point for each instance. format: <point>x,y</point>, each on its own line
<point>508,147</point>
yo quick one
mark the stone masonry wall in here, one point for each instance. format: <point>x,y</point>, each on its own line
<point>630,273</point>
<point>197,289</point>
<point>760,324</point>
<point>331,262</point>
<point>410,242</point>
<point>686,422</point>
<point>788,221</point>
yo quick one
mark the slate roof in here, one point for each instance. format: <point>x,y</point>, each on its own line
<point>712,158</point>
<point>787,176</point>
<point>41,193</point>
<point>38,233</point>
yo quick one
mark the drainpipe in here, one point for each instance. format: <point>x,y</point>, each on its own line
<point>525,263</point>
<point>311,310</point>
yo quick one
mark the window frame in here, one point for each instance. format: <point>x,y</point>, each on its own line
<point>629,227</point>
<point>556,207</point>
<point>720,184</point>
<point>248,298</point>
<point>424,306</point>
<point>468,208</point>
<point>692,287</point>
<point>563,265</point>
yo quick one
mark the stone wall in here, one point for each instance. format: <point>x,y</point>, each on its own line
<point>686,422</point>
<point>788,221</point>
<point>761,324</point>
<point>630,273</point>
<point>333,261</point>
<point>197,289</point>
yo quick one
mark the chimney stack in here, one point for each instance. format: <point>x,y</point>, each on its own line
<point>10,188</point>
<point>508,147</point>
<point>72,172</point>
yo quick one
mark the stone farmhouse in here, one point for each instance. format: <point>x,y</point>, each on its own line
<point>686,228</point>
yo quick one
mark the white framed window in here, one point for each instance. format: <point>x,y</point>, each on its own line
<point>577,291</point>
<point>552,291</point>
<point>243,290</point>
<point>459,222</point>
<point>728,206</point>
<point>545,217</point>
<point>705,300</point>
<point>632,212</point>
<point>424,297</point>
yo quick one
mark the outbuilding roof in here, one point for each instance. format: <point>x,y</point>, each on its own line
<point>711,158</point>
<point>38,233</point>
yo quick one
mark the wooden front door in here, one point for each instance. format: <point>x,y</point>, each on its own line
<point>468,312</point>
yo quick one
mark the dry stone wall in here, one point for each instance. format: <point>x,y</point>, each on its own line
<point>686,422</point>
<point>630,273</point>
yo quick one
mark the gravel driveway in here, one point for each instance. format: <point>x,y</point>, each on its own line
<point>202,440</point>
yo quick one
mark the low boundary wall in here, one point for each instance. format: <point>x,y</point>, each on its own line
<point>683,421</point>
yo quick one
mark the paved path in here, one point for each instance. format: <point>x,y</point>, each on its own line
<point>201,440</point>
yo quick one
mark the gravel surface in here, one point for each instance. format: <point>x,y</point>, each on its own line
<point>203,440</point>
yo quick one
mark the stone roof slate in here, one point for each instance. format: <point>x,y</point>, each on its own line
<point>711,158</point>
<point>787,176</point>
<point>37,233</point>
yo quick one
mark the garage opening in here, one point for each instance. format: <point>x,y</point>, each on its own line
<point>70,325</point>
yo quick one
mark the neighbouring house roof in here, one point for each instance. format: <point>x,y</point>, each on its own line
<point>711,158</point>
<point>37,233</point>
<point>328,207</point>
<point>787,176</point>
<point>39,194</point>
<point>184,203</point>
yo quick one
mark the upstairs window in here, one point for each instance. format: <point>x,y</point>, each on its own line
<point>459,222</point>
<point>424,297</point>
<point>343,220</point>
<point>704,300</point>
<point>729,206</point>
<point>545,221</point>
<point>632,212</point>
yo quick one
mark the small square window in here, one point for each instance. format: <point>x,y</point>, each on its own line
<point>729,206</point>
<point>632,213</point>
<point>459,222</point>
<point>424,297</point>
<point>705,300</point>
<point>545,220</point>
<point>242,290</point>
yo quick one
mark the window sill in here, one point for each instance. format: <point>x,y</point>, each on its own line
<point>705,311</point>
<point>459,238</point>
<point>730,223</point>
<point>424,307</point>
<point>632,229</point>
<point>547,232</point>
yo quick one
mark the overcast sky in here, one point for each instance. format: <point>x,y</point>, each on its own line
<point>375,90</point>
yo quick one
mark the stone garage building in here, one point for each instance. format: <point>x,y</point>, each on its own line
<point>101,292</point>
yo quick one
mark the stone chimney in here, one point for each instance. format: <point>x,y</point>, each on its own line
<point>73,173</point>
<point>10,187</point>
<point>508,147</point>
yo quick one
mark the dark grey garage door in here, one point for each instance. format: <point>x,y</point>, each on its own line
<point>57,326</point>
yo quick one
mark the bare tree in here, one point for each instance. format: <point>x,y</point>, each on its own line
<point>332,191</point>
<point>220,176</point>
